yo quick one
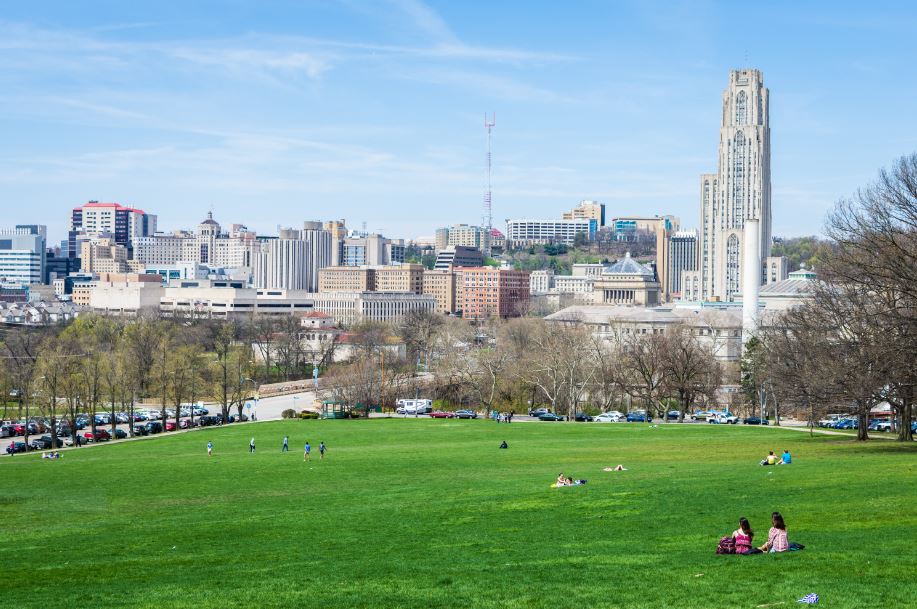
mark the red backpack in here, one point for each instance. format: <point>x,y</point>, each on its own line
<point>727,545</point>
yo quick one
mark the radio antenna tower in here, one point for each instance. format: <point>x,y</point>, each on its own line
<point>488,207</point>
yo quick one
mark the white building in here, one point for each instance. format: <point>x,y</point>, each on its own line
<point>208,245</point>
<point>542,232</point>
<point>123,224</point>
<point>741,188</point>
<point>22,257</point>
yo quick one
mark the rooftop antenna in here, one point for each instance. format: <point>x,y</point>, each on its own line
<point>488,207</point>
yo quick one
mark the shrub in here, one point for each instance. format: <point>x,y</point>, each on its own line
<point>289,413</point>
<point>308,414</point>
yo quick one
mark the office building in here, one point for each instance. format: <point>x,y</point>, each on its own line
<point>587,210</point>
<point>59,266</point>
<point>400,278</point>
<point>459,256</point>
<point>522,233</point>
<point>123,224</point>
<point>370,250</point>
<point>489,292</point>
<point>406,278</point>
<point>682,257</point>
<point>630,228</point>
<point>740,190</point>
<point>541,281</point>
<point>292,260</point>
<point>22,256</point>
<point>121,293</point>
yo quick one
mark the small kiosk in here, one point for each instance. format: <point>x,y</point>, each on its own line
<point>332,409</point>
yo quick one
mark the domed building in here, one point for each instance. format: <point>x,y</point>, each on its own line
<point>627,282</point>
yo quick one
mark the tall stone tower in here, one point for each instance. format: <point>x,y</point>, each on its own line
<point>740,190</point>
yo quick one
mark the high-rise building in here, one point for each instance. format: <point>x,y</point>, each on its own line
<point>442,285</point>
<point>587,210</point>
<point>682,257</point>
<point>103,255</point>
<point>489,292</point>
<point>740,190</point>
<point>22,256</point>
<point>369,250</point>
<point>461,235</point>
<point>123,224</point>
<point>292,260</point>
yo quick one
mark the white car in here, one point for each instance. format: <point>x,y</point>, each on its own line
<point>609,417</point>
<point>723,418</point>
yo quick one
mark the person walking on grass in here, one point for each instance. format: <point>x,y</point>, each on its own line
<point>307,454</point>
<point>209,449</point>
<point>321,450</point>
<point>286,445</point>
<point>251,445</point>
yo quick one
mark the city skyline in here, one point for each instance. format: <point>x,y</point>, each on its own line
<point>272,114</point>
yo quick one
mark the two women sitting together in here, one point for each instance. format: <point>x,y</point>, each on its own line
<point>742,538</point>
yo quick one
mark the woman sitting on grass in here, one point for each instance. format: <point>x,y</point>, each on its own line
<point>776,537</point>
<point>743,536</point>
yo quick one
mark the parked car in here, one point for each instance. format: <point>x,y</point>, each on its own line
<point>200,411</point>
<point>150,427</point>
<point>122,417</point>
<point>19,429</point>
<point>672,415</point>
<point>831,420</point>
<point>440,414</point>
<point>701,415</point>
<point>723,418</point>
<point>610,417</point>
<point>466,414</point>
<point>188,423</point>
<point>7,431</point>
<point>582,417</point>
<point>17,447</point>
<point>120,434</point>
<point>171,426</point>
<point>639,416</point>
<point>755,421</point>
<point>44,443</point>
<point>100,435</point>
<point>847,424</point>
<point>208,420</point>
<point>238,418</point>
<point>537,412</point>
<point>550,416</point>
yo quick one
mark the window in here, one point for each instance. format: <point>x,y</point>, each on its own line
<point>741,109</point>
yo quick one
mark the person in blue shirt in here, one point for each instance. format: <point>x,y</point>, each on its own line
<point>209,449</point>
<point>321,449</point>
<point>286,446</point>
<point>787,459</point>
<point>307,455</point>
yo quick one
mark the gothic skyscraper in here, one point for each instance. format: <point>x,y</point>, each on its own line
<point>739,191</point>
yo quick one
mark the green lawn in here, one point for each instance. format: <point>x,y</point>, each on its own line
<point>430,513</point>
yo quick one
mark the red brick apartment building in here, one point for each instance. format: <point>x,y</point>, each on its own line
<point>489,292</point>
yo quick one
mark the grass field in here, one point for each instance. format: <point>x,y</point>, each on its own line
<point>430,513</point>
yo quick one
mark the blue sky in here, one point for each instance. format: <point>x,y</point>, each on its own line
<point>274,112</point>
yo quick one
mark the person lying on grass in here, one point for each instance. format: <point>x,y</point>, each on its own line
<point>616,468</point>
<point>565,481</point>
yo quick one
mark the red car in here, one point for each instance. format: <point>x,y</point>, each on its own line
<point>439,414</point>
<point>170,425</point>
<point>19,429</point>
<point>100,436</point>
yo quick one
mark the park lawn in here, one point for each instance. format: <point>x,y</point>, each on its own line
<point>429,513</point>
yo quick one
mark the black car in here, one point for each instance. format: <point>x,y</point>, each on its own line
<point>153,427</point>
<point>550,416</point>
<point>537,412</point>
<point>582,417</point>
<point>211,419</point>
<point>44,443</point>
<point>119,434</point>
<point>17,447</point>
<point>754,421</point>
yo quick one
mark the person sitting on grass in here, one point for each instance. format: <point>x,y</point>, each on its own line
<point>776,537</point>
<point>743,536</point>
<point>787,458</point>
<point>562,480</point>
<point>770,459</point>
<point>504,444</point>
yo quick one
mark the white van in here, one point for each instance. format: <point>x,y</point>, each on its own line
<point>414,406</point>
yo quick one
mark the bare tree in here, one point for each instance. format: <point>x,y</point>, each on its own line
<point>689,367</point>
